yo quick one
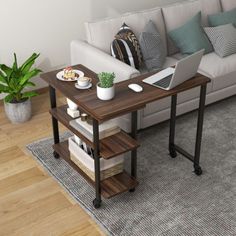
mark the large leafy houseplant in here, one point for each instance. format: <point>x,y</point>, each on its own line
<point>13,80</point>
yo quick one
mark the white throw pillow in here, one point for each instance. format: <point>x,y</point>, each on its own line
<point>223,39</point>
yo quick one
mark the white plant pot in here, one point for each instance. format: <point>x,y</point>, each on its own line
<point>71,105</point>
<point>18,112</point>
<point>105,93</point>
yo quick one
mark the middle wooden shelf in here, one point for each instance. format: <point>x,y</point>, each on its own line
<point>111,146</point>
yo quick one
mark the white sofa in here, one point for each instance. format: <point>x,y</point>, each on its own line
<point>95,54</point>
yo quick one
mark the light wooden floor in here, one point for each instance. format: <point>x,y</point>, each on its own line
<point>32,202</point>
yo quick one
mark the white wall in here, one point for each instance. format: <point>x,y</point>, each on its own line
<point>48,26</point>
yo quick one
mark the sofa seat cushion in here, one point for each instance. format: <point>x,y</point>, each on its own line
<point>228,5</point>
<point>222,71</point>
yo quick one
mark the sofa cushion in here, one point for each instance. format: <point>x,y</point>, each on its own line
<point>101,33</point>
<point>126,47</point>
<point>228,4</point>
<point>170,61</point>
<point>220,70</point>
<point>152,47</point>
<point>223,18</point>
<point>176,15</point>
<point>223,39</point>
<point>190,37</point>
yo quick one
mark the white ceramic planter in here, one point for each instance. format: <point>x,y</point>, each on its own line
<point>71,105</point>
<point>105,93</point>
<point>18,112</point>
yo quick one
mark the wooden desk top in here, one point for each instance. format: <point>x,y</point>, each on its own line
<point>125,100</point>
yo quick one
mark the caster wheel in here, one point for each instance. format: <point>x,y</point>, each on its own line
<point>56,155</point>
<point>198,170</point>
<point>132,190</point>
<point>96,203</point>
<point>173,153</point>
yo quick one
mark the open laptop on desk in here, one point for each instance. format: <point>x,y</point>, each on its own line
<point>171,77</point>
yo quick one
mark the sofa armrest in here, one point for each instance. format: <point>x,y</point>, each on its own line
<point>98,61</point>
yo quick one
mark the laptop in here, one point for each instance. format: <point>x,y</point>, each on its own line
<point>171,77</point>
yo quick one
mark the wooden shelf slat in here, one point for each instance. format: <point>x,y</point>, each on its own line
<point>61,115</point>
<point>109,147</point>
<point>110,187</point>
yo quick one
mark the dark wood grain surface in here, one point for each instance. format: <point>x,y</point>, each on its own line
<point>125,100</point>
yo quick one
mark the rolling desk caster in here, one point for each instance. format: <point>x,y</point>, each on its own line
<point>96,203</point>
<point>56,155</point>
<point>198,170</point>
<point>172,152</point>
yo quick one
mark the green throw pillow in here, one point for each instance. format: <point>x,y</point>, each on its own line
<point>223,18</point>
<point>191,37</point>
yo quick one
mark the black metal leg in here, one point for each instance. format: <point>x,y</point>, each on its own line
<point>134,121</point>
<point>53,102</point>
<point>172,150</point>
<point>197,168</point>
<point>97,201</point>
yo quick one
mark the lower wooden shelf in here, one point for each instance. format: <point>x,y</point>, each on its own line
<point>110,187</point>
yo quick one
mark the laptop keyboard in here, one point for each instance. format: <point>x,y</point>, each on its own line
<point>164,83</point>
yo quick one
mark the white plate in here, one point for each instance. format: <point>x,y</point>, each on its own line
<point>83,87</point>
<point>61,73</point>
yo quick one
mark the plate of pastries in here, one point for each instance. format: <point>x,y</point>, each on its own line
<point>69,74</point>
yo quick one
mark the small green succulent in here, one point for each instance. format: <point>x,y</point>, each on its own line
<point>106,79</point>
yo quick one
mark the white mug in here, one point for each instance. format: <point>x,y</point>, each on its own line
<point>84,81</point>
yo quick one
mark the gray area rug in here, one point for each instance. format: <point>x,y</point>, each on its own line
<point>171,199</point>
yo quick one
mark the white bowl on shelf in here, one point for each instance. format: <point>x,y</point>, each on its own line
<point>71,105</point>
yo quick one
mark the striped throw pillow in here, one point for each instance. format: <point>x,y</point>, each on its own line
<point>125,47</point>
<point>152,47</point>
<point>223,39</point>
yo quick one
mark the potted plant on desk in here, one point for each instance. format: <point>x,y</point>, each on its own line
<point>105,86</point>
<point>13,80</point>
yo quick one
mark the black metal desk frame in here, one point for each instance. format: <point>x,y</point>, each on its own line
<point>173,148</point>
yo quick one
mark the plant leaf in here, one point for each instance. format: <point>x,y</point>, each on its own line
<point>28,63</point>
<point>29,94</point>
<point>29,84</point>
<point>14,84</point>
<point>7,70</point>
<point>3,78</point>
<point>3,89</point>
<point>15,67</point>
<point>9,98</point>
<point>29,76</point>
